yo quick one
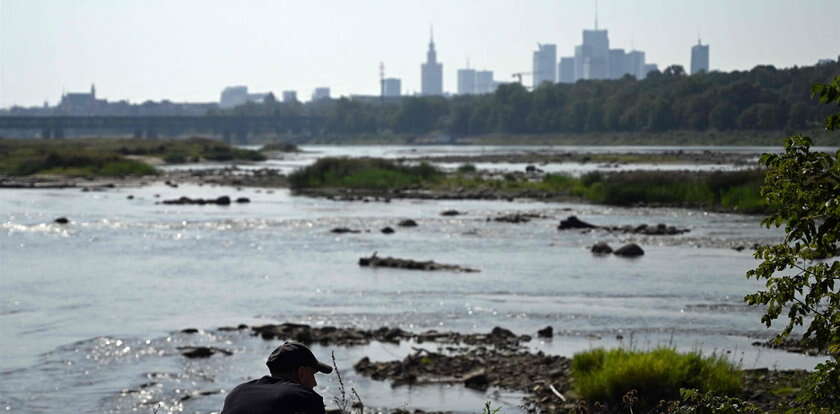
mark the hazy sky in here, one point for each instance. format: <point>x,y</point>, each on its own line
<point>189,50</point>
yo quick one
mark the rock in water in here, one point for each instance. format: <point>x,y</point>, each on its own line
<point>629,250</point>
<point>62,220</point>
<point>499,331</point>
<point>387,230</point>
<point>202,351</point>
<point>546,332</point>
<point>243,200</point>
<point>572,222</point>
<point>451,213</point>
<point>342,230</point>
<point>477,381</point>
<point>601,248</point>
<point>407,223</point>
<point>184,200</point>
<point>375,261</point>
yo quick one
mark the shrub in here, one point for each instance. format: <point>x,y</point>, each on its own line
<point>175,158</point>
<point>280,147</point>
<point>371,173</point>
<point>467,168</point>
<point>656,375</point>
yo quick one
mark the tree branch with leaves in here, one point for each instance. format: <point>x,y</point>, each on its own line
<point>802,273</point>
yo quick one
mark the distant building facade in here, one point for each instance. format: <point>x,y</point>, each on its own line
<point>466,81</point>
<point>636,64</point>
<point>544,65</point>
<point>320,93</point>
<point>80,102</point>
<point>699,58</point>
<point>619,64</point>
<point>290,96</point>
<point>593,59</point>
<point>484,82</point>
<point>431,82</point>
<point>233,96</point>
<point>391,87</point>
<point>566,70</point>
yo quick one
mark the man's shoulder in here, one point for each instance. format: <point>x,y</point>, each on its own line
<point>284,388</point>
<point>268,392</point>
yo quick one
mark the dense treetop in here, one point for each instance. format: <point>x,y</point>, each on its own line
<point>764,98</point>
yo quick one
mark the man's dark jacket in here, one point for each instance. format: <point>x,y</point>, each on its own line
<point>270,395</point>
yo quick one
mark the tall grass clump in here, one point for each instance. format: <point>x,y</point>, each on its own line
<point>73,163</point>
<point>656,375</point>
<point>363,173</point>
<point>732,190</point>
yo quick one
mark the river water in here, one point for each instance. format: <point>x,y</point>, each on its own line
<point>91,311</point>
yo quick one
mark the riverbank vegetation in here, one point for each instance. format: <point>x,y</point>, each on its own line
<point>176,151</point>
<point>607,376</point>
<point>363,173</point>
<point>109,157</point>
<point>279,147</point>
<point>720,190</point>
<point>724,190</point>
<point>19,158</point>
<point>764,99</point>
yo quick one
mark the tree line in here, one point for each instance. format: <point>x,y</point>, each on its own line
<point>764,98</point>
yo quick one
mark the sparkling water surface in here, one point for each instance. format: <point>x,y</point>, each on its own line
<point>91,311</point>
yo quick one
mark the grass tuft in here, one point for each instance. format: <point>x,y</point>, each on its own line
<point>607,375</point>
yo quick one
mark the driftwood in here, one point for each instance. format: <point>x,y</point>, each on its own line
<point>375,261</point>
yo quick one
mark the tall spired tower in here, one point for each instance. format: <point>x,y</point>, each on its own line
<point>431,72</point>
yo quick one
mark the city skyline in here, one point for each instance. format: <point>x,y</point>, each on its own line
<point>190,51</point>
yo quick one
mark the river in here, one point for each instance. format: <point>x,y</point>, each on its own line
<point>91,311</point>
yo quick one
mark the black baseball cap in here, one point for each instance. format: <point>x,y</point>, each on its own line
<point>291,355</point>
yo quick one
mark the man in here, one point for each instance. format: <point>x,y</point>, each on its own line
<point>289,388</point>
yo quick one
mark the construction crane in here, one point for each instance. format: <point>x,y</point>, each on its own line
<point>519,75</point>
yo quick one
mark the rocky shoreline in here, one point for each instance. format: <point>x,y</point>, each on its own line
<point>497,359</point>
<point>618,158</point>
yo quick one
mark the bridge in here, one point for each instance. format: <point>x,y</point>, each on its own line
<point>229,127</point>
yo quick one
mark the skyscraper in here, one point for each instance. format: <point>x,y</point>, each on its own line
<point>566,70</point>
<point>484,82</point>
<point>431,72</point>
<point>545,64</point>
<point>619,63</point>
<point>699,58</point>
<point>594,55</point>
<point>636,63</point>
<point>466,81</point>
<point>391,87</point>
